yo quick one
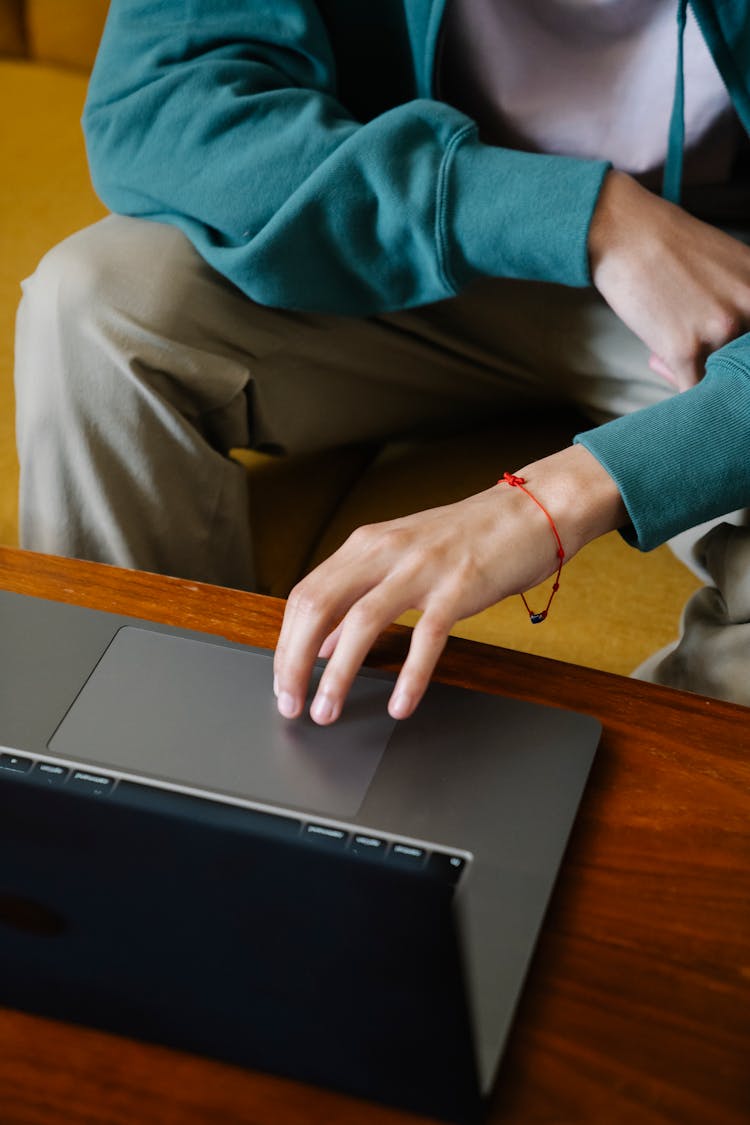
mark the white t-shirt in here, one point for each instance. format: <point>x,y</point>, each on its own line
<point>588,78</point>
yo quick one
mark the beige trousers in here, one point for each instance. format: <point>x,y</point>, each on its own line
<point>712,655</point>
<point>138,368</point>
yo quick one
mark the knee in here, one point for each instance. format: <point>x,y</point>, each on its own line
<point>91,297</point>
<point>61,303</point>
<point>72,321</point>
<point>82,279</point>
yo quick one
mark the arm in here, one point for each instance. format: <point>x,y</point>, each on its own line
<point>225,120</point>
<point>666,468</point>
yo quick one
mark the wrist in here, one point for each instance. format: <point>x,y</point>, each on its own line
<point>580,495</point>
<point>618,219</point>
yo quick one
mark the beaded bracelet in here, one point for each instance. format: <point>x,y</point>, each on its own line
<point>519,482</point>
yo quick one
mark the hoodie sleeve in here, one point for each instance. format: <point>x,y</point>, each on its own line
<point>223,119</point>
<point>687,459</point>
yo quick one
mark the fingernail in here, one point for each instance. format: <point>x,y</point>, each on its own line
<point>276,686</point>
<point>287,705</point>
<point>322,709</point>
<point>400,704</point>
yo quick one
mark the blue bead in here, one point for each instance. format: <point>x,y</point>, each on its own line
<point>535,618</point>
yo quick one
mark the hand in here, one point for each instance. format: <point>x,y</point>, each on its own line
<point>681,285</point>
<point>449,563</point>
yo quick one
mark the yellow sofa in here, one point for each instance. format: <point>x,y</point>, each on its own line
<point>615,605</point>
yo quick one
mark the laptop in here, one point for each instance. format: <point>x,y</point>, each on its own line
<point>354,906</point>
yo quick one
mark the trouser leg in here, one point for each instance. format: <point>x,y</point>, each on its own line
<point>712,655</point>
<point>126,406</point>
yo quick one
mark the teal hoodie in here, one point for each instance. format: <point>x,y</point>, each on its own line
<point>301,148</point>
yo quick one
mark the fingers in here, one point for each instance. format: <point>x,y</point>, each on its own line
<point>682,374</point>
<point>685,366</point>
<point>658,366</point>
<point>293,664</point>
<point>329,644</point>
<point>357,633</point>
<point>338,612</point>
<point>355,637</point>
<point>313,609</point>
<point>428,641</point>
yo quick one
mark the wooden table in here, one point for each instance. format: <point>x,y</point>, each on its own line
<point>637,1006</point>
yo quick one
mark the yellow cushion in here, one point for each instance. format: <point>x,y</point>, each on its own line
<point>66,32</point>
<point>615,605</point>
<point>12,38</point>
<point>45,194</point>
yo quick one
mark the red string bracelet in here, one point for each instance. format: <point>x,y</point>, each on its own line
<point>519,482</point>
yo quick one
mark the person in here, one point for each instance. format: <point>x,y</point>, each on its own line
<point>336,222</point>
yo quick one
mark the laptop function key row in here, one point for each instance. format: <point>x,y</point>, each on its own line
<point>442,865</point>
<point>54,774</point>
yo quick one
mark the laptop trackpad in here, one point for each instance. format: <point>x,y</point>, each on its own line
<point>203,715</point>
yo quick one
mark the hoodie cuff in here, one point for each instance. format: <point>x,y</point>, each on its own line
<point>686,459</point>
<point>518,214</point>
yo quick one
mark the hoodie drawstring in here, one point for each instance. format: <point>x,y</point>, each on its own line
<point>672,182</point>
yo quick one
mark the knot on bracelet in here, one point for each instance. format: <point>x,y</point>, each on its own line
<point>508,478</point>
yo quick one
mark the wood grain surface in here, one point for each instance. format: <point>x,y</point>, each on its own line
<point>637,1005</point>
